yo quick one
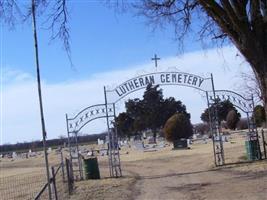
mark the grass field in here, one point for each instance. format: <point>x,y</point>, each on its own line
<point>163,174</point>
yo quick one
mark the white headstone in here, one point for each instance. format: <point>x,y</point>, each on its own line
<point>139,145</point>
<point>161,144</point>
<point>14,155</point>
<point>100,142</point>
<point>144,134</point>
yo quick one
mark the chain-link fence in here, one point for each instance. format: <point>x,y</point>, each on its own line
<point>23,186</point>
<point>238,147</point>
<point>34,185</point>
<point>234,144</point>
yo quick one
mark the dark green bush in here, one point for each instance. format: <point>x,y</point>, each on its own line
<point>177,126</point>
<point>232,119</point>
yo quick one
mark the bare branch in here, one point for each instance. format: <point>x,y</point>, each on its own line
<point>10,12</point>
<point>177,13</point>
<point>251,86</point>
<point>58,24</point>
<point>57,17</point>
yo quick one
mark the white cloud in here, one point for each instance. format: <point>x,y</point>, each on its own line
<point>15,76</point>
<point>21,120</point>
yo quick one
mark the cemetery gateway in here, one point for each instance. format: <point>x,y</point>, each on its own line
<point>113,95</point>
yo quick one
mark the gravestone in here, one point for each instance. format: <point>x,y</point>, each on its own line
<point>49,150</point>
<point>100,142</point>
<point>14,155</point>
<point>180,144</point>
<point>161,144</point>
<point>139,145</point>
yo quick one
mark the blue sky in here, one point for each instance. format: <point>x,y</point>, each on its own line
<point>107,48</point>
<point>101,39</point>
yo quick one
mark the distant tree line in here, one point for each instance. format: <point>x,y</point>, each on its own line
<point>229,117</point>
<point>37,145</point>
<point>223,108</point>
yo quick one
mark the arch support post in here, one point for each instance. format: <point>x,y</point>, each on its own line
<point>215,130</point>
<point>74,152</point>
<point>253,132</point>
<point>113,143</point>
<point>109,136</point>
<point>210,126</point>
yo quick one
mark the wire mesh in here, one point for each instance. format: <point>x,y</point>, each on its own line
<point>237,149</point>
<point>23,186</point>
<point>234,147</point>
<point>61,183</point>
<point>30,185</point>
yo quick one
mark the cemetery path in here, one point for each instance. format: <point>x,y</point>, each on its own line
<point>179,175</point>
<point>192,177</point>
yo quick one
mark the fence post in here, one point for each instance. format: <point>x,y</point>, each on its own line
<point>54,182</point>
<point>68,175</point>
<point>62,165</point>
<point>71,172</point>
<point>80,166</point>
<point>264,143</point>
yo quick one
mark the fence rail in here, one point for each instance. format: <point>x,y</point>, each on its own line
<point>61,186</point>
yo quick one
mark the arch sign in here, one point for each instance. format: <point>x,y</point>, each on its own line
<point>158,78</point>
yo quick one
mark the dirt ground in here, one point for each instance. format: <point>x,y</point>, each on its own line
<point>179,174</point>
<point>163,174</point>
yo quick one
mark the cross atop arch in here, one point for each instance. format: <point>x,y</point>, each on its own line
<point>156,60</point>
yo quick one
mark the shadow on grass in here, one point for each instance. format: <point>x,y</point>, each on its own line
<point>225,169</point>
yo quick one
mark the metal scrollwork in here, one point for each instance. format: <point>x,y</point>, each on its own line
<point>88,114</point>
<point>244,104</point>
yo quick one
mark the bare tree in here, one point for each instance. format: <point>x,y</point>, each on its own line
<point>250,86</point>
<point>53,16</point>
<point>243,22</point>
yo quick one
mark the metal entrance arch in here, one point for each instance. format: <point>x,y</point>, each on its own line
<point>246,105</point>
<point>80,120</point>
<point>113,95</point>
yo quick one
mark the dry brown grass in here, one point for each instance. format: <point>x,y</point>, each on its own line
<point>23,178</point>
<point>163,174</point>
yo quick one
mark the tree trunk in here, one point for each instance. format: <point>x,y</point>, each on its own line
<point>265,108</point>
<point>255,51</point>
<point>263,87</point>
<point>261,75</point>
